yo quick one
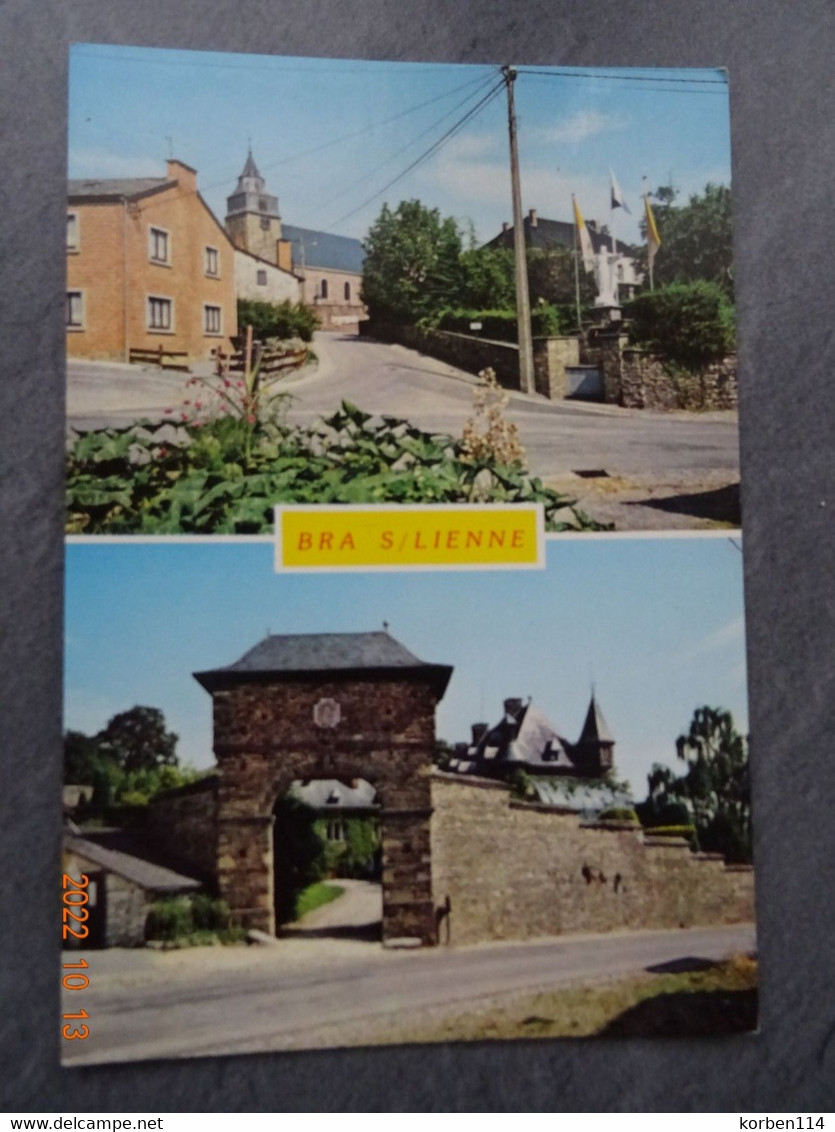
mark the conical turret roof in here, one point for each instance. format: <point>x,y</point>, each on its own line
<point>595,729</point>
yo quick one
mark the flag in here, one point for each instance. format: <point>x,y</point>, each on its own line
<point>617,195</point>
<point>653,239</point>
<point>583,237</point>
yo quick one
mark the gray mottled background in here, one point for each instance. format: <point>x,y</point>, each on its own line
<point>779,58</point>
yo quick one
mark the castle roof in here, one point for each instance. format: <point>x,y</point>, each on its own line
<point>304,654</point>
<point>595,729</point>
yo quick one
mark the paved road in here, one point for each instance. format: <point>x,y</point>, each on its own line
<point>300,994</point>
<point>646,456</point>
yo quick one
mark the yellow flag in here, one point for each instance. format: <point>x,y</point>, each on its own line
<point>653,239</point>
<point>583,237</point>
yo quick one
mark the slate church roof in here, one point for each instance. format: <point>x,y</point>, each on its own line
<point>324,249</point>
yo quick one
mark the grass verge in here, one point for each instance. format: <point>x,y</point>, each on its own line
<point>314,896</point>
<point>708,998</point>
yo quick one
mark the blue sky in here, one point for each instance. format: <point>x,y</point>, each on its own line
<point>328,135</point>
<point>657,623</point>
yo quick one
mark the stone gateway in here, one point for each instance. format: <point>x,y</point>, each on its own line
<point>339,706</point>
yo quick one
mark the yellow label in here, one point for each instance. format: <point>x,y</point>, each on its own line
<point>438,536</point>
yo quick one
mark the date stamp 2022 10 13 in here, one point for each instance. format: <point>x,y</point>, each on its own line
<point>74,896</point>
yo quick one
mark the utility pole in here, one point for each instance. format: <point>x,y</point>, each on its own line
<point>523,302</point>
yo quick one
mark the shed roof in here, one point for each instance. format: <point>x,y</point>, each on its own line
<point>154,878</point>
<point>306,653</point>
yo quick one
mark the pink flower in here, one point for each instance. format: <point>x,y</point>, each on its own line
<point>251,418</point>
<point>184,416</point>
<point>198,404</point>
<point>168,410</point>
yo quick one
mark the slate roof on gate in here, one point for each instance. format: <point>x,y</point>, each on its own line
<point>308,653</point>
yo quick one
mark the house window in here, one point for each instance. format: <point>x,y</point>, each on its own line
<point>158,246</point>
<point>323,289</point>
<point>72,232</point>
<point>347,292</point>
<point>335,830</point>
<point>262,278</point>
<point>211,319</point>
<point>160,313</point>
<point>75,310</point>
<point>212,262</point>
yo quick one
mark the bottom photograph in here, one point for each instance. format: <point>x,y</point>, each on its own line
<point>356,809</point>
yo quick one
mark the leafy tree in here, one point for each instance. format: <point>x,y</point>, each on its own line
<point>138,740</point>
<point>487,279</point>
<point>692,324</point>
<point>696,240</point>
<point>299,854</point>
<point>552,279</point>
<point>277,320</point>
<point>714,792</point>
<point>412,263</point>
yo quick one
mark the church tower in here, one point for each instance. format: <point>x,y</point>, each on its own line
<point>252,219</point>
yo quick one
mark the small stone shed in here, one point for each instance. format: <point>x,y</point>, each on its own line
<point>122,888</point>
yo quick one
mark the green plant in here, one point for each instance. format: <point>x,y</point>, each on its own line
<point>619,813</point>
<point>278,320</point>
<point>151,480</point>
<point>168,920</point>
<point>691,324</point>
<point>208,913</point>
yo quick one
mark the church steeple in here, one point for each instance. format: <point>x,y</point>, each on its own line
<point>252,218</point>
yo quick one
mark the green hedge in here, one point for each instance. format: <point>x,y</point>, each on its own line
<point>501,325</point>
<point>691,324</point>
<point>277,320</point>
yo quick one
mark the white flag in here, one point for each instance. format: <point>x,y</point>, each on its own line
<point>617,195</point>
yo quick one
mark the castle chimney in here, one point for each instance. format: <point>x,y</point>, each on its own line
<point>479,731</point>
<point>513,707</point>
<point>533,218</point>
<point>505,226</point>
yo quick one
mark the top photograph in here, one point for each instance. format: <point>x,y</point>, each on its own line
<point>324,281</point>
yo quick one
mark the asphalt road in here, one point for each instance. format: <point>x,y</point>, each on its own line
<point>299,994</point>
<point>652,470</point>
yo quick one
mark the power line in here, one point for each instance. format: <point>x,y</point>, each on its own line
<point>648,83</point>
<point>397,153</point>
<point>489,97</point>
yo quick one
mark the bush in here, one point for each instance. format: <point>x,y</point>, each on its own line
<point>277,320</point>
<point>691,324</point>
<point>619,813</point>
<point>501,325</point>
<point>168,920</point>
<point>209,913</point>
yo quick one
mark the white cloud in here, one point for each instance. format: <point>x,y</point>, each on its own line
<point>729,635</point>
<point>578,127</point>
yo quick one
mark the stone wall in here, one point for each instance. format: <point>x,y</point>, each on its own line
<point>646,383</point>
<point>513,871</point>
<point>183,823</point>
<point>637,379</point>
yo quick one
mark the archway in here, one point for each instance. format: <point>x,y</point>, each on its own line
<point>333,706</point>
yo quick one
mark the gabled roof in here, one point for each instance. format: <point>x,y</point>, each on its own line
<point>546,235</point>
<point>109,189</point>
<point>595,729</point>
<point>307,653</point>
<point>324,249</point>
<point>154,878</point>
<point>527,738</point>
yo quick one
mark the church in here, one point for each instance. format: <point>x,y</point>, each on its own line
<point>326,269</point>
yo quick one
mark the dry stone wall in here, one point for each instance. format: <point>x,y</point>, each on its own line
<point>514,871</point>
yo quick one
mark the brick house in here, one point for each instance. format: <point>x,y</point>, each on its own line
<point>148,267</point>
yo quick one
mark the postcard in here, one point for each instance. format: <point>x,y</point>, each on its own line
<point>405,693</point>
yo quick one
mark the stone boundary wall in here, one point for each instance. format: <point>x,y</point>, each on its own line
<point>468,353</point>
<point>637,379</point>
<point>514,871</point>
<point>183,823</point>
